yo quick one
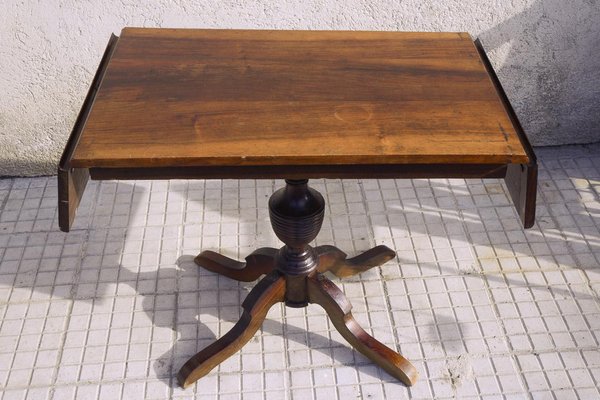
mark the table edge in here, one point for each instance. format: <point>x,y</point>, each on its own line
<point>138,30</point>
<point>72,181</point>
<point>521,179</point>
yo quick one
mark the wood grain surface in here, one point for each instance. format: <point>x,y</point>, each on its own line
<point>184,97</point>
<point>260,261</point>
<point>269,291</point>
<point>324,293</point>
<point>337,262</point>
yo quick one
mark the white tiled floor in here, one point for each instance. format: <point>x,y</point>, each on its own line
<point>482,307</point>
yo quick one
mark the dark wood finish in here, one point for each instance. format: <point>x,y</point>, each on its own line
<point>193,97</point>
<point>521,179</point>
<point>296,212</point>
<point>334,260</point>
<point>332,171</point>
<point>71,185</point>
<point>259,262</point>
<point>72,181</point>
<point>384,69</point>
<point>324,293</point>
<point>269,291</point>
<point>264,260</point>
<point>296,216</point>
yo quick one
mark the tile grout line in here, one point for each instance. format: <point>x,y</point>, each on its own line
<point>178,278</point>
<point>489,295</point>
<point>8,190</point>
<point>156,294</point>
<point>459,273</point>
<point>382,280</point>
<point>175,322</point>
<point>73,295</point>
<point>106,236</point>
<point>404,280</point>
<point>219,315</point>
<point>494,307</point>
<point>328,322</point>
<point>198,274</point>
<point>569,288</point>
<point>566,284</point>
<point>134,297</point>
<point>12,359</point>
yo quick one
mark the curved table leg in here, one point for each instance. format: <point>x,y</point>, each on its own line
<point>269,291</point>
<point>334,260</point>
<point>323,292</point>
<point>259,262</point>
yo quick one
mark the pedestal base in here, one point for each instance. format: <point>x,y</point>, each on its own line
<point>295,276</point>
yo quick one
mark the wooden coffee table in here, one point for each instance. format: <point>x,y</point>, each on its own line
<point>295,105</point>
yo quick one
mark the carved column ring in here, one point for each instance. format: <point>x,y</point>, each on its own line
<point>296,213</point>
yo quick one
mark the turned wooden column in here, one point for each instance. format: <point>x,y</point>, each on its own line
<point>296,213</point>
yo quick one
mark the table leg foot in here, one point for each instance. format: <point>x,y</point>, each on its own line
<point>334,260</point>
<point>323,292</point>
<point>259,262</point>
<point>269,291</point>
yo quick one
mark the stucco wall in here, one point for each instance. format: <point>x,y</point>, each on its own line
<point>546,53</point>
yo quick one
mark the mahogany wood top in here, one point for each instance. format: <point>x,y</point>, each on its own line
<point>190,97</point>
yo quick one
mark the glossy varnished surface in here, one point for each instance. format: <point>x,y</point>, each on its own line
<point>173,98</point>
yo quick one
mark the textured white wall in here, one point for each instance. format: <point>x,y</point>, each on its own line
<point>546,52</point>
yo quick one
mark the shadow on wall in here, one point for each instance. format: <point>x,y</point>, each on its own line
<point>548,54</point>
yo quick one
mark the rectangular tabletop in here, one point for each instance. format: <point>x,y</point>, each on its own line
<point>175,97</point>
<point>197,103</point>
